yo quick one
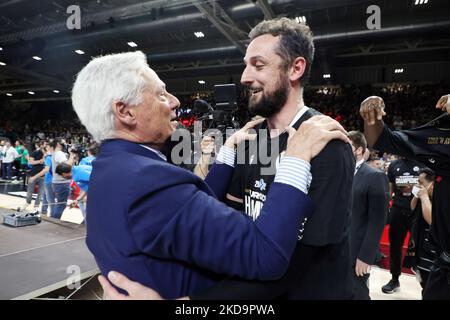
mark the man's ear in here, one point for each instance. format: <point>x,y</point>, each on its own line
<point>298,68</point>
<point>124,113</point>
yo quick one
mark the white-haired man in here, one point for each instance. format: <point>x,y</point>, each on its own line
<point>161,225</point>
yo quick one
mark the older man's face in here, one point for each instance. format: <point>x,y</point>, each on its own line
<point>156,114</point>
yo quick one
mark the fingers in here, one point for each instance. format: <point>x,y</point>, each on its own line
<point>441,104</point>
<point>338,135</point>
<point>357,271</point>
<point>371,114</point>
<point>381,113</point>
<point>334,125</point>
<point>253,123</point>
<point>291,131</point>
<point>110,292</point>
<point>372,109</point>
<point>121,281</point>
<point>328,123</point>
<point>250,136</point>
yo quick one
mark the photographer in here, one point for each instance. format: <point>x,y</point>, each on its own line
<point>91,154</point>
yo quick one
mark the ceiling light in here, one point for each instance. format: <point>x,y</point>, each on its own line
<point>201,81</point>
<point>30,92</point>
<point>1,48</point>
<point>37,58</point>
<point>79,51</point>
<point>419,2</point>
<point>199,34</point>
<point>300,19</point>
<point>56,91</point>
<point>2,64</point>
<point>9,94</point>
<point>132,44</point>
<point>327,76</point>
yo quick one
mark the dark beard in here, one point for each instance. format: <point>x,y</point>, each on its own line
<point>272,103</point>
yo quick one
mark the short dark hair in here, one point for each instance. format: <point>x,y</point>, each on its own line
<point>358,139</point>
<point>296,40</point>
<point>55,142</point>
<point>429,174</point>
<point>63,168</point>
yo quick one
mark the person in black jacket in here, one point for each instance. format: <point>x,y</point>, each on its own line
<point>429,144</point>
<point>369,211</point>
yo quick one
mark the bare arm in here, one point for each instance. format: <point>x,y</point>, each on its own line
<point>201,169</point>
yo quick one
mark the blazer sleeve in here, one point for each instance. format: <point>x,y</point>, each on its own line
<point>218,179</point>
<point>378,200</point>
<point>180,222</point>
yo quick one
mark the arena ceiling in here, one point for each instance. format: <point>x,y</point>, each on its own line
<point>165,31</point>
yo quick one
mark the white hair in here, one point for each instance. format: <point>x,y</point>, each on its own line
<point>102,81</point>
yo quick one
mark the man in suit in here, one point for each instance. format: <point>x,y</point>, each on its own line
<point>278,60</point>
<point>369,211</point>
<point>161,225</point>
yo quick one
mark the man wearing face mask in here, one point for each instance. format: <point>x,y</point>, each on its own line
<point>370,204</point>
<point>426,249</point>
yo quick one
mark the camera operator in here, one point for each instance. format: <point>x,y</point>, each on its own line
<point>91,154</point>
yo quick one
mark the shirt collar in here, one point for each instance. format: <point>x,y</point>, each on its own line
<point>298,115</point>
<point>159,153</point>
<point>358,165</point>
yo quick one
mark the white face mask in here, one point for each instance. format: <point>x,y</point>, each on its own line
<point>415,191</point>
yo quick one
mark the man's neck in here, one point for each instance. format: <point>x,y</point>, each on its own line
<point>277,123</point>
<point>129,136</point>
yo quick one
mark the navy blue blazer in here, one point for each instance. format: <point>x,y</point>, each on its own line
<point>164,227</point>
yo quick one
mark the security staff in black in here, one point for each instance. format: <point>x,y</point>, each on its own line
<point>425,248</point>
<point>403,174</point>
<point>429,144</point>
<point>320,267</point>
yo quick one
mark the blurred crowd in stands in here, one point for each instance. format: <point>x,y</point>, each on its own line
<point>409,105</point>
